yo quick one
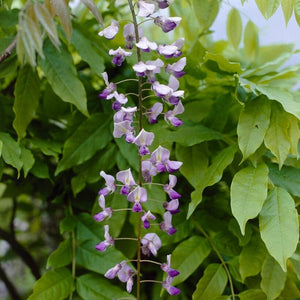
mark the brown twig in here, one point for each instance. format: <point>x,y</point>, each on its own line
<point>10,287</point>
<point>8,51</point>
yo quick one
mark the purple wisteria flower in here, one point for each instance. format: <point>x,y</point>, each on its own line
<point>106,213</point>
<point>144,139</point>
<point>108,92</point>
<point>109,182</point>
<point>149,69</point>
<point>167,24</point>
<point>177,67</point>
<point>127,179</point>
<point>172,206</point>
<point>146,217</point>
<point>109,241</point>
<point>125,274</point>
<point>145,9</point>
<point>138,195</point>
<point>170,115</point>
<point>110,31</point>
<point>160,159</point>
<point>166,225</point>
<point>150,244</point>
<point>172,290</point>
<point>124,128</point>
<point>119,55</point>
<point>166,267</point>
<point>125,114</point>
<point>146,45</point>
<point>154,112</point>
<point>112,272</point>
<point>168,188</point>
<point>120,99</point>
<point>163,4</point>
<point>129,35</point>
<point>173,50</point>
<point>148,170</point>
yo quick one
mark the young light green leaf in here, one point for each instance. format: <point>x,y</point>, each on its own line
<point>279,225</point>
<point>46,20</point>
<point>212,284</point>
<point>268,7</point>
<point>195,162</point>
<point>234,28</point>
<point>273,278</point>
<point>54,284</point>
<point>287,8</point>
<point>253,294</point>
<point>27,159</point>
<point>93,9</point>
<point>62,256</point>
<point>294,134</point>
<point>212,175</point>
<point>61,74</point>
<point>297,11</point>
<point>262,5</point>
<point>251,40</point>
<point>223,63</point>
<point>277,135</point>
<point>1,147</point>
<point>287,177</point>
<point>188,256</point>
<point>206,12</point>
<point>254,252</point>
<point>91,136</point>
<point>253,123</point>
<point>248,192</point>
<point>11,151</point>
<point>27,91</point>
<point>94,287</point>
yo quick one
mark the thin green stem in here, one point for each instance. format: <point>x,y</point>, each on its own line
<point>125,239</point>
<point>219,256</point>
<point>125,80</point>
<point>152,281</point>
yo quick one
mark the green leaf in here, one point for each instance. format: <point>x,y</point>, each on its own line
<point>287,177</point>
<point>195,162</point>
<point>212,284</point>
<point>251,40</point>
<point>91,136</point>
<point>212,175</point>
<point>27,91</point>
<point>206,12</point>
<point>268,7</point>
<point>94,287</point>
<point>234,28</point>
<point>287,8</point>
<point>248,192</point>
<point>55,284</point>
<point>61,74</point>
<point>27,159</point>
<point>67,224</point>
<point>87,51</point>
<point>294,134</point>
<point>253,123</point>
<point>277,135</point>
<point>279,225</point>
<point>289,102</point>
<point>11,151</point>
<point>273,278</point>
<point>262,5</point>
<point>62,256</point>
<point>252,294</point>
<point>188,256</point>
<point>156,197</point>
<point>1,147</point>
<point>223,63</point>
<point>252,257</point>
<point>46,20</point>
<point>93,9</point>
<point>297,11</point>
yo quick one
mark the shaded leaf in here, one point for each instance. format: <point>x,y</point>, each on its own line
<point>212,284</point>
<point>61,74</point>
<point>273,278</point>
<point>62,256</point>
<point>27,159</point>
<point>253,294</point>
<point>27,91</point>
<point>188,256</point>
<point>223,63</point>
<point>54,284</point>
<point>251,40</point>
<point>279,225</point>
<point>234,28</point>
<point>93,9</point>
<point>248,192</point>
<point>253,123</point>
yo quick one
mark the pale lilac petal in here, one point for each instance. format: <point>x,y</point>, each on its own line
<point>101,246</point>
<point>173,166</point>
<point>110,31</point>
<point>145,9</point>
<point>129,285</point>
<point>112,273</point>
<point>144,138</point>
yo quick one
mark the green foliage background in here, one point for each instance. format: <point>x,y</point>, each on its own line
<point>238,230</point>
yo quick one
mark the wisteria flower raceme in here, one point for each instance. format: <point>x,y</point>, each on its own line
<point>172,290</point>
<point>167,24</point>
<point>146,217</point>
<point>138,195</point>
<point>166,267</point>
<point>150,244</point>
<point>109,182</point>
<point>144,139</point>
<point>109,241</point>
<point>119,55</point>
<point>129,35</point>
<point>154,112</point>
<point>127,179</point>
<point>110,31</point>
<point>177,67</point>
<point>166,225</point>
<point>106,213</point>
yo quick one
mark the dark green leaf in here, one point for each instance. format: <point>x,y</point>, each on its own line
<point>27,159</point>
<point>62,256</point>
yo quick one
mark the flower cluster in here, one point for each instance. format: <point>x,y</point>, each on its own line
<point>169,105</point>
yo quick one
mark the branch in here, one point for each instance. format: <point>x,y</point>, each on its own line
<point>22,252</point>
<point>10,287</point>
<point>8,51</point>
